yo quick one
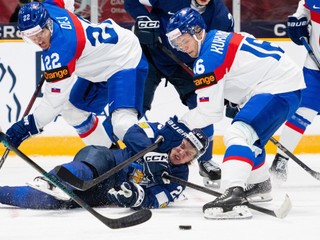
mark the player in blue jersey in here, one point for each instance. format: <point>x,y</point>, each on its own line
<point>150,27</point>
<point>256,75</point>
<point>298,26</point>
<point>140,185</point>
<point>86,67</point>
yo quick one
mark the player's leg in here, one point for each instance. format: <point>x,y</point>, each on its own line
<point>90,162</point>
<point>87,100</point>
<point>252,126</point>
<point>295,127</point>
<point>126,93</point>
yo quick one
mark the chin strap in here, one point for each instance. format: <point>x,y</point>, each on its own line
<point>199,41</point>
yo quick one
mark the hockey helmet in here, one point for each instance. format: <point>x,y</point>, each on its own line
<point>187,20</point>
<point>198,140</point>
<point>32,18</point>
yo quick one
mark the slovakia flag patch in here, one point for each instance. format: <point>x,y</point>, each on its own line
<point>55,90</point>
<point>204,99</point>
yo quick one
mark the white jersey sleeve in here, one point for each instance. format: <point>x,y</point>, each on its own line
<point>56,95</point>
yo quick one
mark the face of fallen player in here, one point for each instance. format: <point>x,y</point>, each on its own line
<point>203,2</point>
<point>182,154</point>
<point>42,39</point>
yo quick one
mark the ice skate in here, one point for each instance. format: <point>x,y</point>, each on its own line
<point>211,173</point>
<point>43,185</point>
<point>259,192</point>
<point>279,167</point>
<point>230,205</point>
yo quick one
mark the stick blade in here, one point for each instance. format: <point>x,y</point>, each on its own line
<point>134,219</point>
<point>285,208</point>
<point>65,175</point>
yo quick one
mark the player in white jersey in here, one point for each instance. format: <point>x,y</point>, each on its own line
<point>87,67</point>
<point>298,26</point>
<point>258,76</point>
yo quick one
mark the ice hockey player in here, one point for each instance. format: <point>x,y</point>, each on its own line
<point>256,75</point>
<point>138,186</point>
<point>87,67</point>
<point>150,27</point>
<point>294,128</point>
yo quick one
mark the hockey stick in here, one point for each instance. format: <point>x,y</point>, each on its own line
<point>82,185</point>
<point>175,58</point>
<point>313,173</point>
<point>304,40</point>
<point>282,212</point>
<point>26,112</point>
<point>136,218</point>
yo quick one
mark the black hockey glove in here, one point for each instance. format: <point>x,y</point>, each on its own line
<point>147,30</point>
<point>173,133</point>
<point>231,109</point>
<point>297,28</point>
<point>154,166</point>
<point>129,195</point>
<point>22,130</point>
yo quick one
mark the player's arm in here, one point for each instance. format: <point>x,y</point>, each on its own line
<point>223,17</point>
<point>135,8</point>
<point>298,23</point>
<point>160,195</point>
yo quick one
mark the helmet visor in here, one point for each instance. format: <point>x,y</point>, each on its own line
<point>31,31</point>
<point>173,38</point>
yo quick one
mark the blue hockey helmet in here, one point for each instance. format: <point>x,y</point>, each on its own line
<point>32,18</point>
<point>187,20</point>
<point>198,140</point>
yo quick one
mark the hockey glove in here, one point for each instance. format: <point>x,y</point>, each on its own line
<point>231,109</point>
<point>22,130</point>
<point>173,133</point>
<point>129,195</point>
<point>154,166</point>
<point>297,28</point>
<point>147,30</point>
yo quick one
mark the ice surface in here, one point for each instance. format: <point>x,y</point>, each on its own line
<point>302,222</point>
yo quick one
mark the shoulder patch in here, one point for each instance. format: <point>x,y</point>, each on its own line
<point>56,74</point>
<point>205,80</point>
<point>143,125</point>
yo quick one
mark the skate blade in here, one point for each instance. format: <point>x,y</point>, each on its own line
<point>211,184</point>
<point>43,188</point>
<point>238,212</point>
<point>258,198</point>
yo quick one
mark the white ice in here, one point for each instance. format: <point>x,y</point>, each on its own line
<point>301,223</point>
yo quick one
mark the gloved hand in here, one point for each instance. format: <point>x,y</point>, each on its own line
<point>231,109</point>
<point>154,166</point>
<point>147,30</point>
<point>22,130</point>
<point>173,133</point>
<point>130,195</point>
<point>297,28</point>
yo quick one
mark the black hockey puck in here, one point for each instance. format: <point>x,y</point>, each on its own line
<point>184,227</point>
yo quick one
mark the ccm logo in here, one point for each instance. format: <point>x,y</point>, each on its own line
<point>56,74</point>
<point>156,158</point>
<point>149,24</point>
<point>146,22</point>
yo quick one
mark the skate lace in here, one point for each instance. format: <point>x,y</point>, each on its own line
<point>281,164</point>
<point>249,187</point>
<point>209,165</point>
<point>225,194</point>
